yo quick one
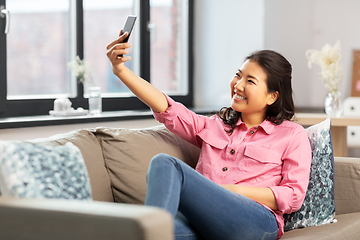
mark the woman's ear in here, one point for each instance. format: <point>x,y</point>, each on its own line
<point>273,97</point>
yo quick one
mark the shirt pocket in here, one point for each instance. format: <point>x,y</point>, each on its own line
<point>263,155</point>
<point>211,151</point>
<point>219,141</point>
<point>261,163</point>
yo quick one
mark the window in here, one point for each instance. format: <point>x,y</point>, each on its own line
<point>169,21</point>
<point>45,35</point>
<point>102,23</point>
<point>37,53</point>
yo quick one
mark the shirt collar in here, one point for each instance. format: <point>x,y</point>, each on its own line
<point>266,125</point>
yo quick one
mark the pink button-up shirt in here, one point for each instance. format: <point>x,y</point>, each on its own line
<point>267,155</point>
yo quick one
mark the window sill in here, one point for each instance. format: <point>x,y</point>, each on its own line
<point>48,120</point>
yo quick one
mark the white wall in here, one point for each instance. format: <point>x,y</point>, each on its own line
<point>225,33</point>
<point>292,27</point>
<point>228,30</point>
<point>288,27</point>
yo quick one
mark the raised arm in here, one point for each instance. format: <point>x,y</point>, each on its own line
<point>146,92</point>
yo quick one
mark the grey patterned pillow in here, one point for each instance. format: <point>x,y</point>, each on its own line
<point>30,170</point>
<point>319,204</point>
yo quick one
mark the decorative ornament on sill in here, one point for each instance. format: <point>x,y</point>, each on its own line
<point>62,108</point>
<point>82,71</point>
<point>328,58</point>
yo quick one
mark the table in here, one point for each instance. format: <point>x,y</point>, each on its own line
<point>338,128</point>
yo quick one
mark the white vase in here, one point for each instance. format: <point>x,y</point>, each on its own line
<point>333,104</point>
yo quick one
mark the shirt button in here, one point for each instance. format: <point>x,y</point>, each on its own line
<point>225,169</point>
<point>232,151</point>
<point>257,127</point>
<point>251,131</point>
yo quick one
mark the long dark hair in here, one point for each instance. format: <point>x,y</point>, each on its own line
<point>278,71</point>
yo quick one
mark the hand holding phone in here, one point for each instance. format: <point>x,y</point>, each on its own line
<point>129,24</point>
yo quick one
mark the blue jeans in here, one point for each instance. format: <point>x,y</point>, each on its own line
<point>203,209</point>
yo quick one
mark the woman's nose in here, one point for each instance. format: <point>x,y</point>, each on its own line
<point>239,85</point>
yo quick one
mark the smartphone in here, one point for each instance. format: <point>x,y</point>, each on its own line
<point>130,21</point>
<point>129,24</point>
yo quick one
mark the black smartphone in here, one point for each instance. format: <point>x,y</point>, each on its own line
<point>129,25</point>
<point>130,21</point>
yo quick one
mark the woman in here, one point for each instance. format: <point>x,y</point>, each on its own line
<point>254,163</point>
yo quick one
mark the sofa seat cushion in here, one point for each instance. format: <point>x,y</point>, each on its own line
<point>346,227</point>
<point>91,151</point>
<point>127,153</point>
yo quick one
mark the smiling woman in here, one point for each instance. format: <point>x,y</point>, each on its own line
<point>258,159</point>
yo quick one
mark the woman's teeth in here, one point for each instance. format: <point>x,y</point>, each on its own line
<point>239,97</point>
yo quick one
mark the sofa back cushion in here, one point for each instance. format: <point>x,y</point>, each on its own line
<point>347,185</point>
<point>91,151</point>
<point>127,154</point>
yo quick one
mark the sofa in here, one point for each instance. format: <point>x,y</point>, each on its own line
<point>117,160</point>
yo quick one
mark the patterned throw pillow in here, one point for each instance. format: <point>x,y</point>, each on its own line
<point>30,170</point>
<point>319,204</point>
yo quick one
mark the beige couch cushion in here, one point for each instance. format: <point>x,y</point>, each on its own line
<point>347,227</point>
<point>347,185</point>
<point>127,154</point>
<point>86,141</point>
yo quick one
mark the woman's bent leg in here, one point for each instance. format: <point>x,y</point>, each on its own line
<point>164,183</point>
<point>215,212</point>
<point>164,186</point>
<point>184,230</point>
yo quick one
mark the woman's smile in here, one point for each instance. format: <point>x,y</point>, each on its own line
<point>238,97</point>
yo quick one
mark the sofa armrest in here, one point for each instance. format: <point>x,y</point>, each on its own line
<point>347,185</point>
<point>71,219</point>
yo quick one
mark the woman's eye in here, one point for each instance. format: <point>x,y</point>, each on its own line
<point>250,81</point>
<point>238,75</point>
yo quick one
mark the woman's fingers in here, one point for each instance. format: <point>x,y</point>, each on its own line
<point>122,36</point>
<point>119,49</point>
<point>117,53</point>
<point>123,58</point>
<point>112,44</point>
<point>118,40</point>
